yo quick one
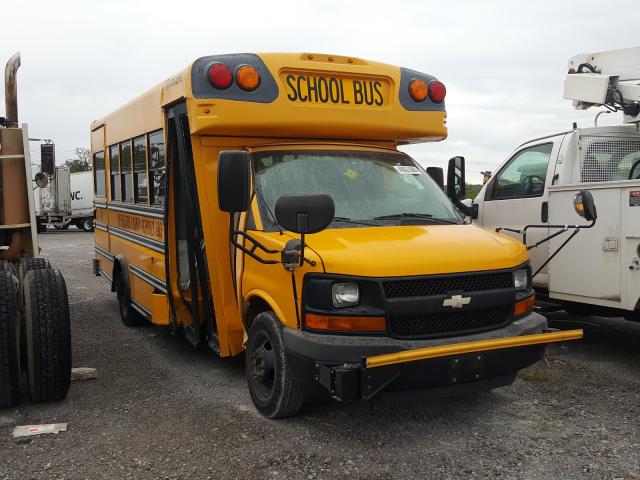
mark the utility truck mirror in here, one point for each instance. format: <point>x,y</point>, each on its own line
<point>437,174</point>
<point>305,213</point>
<point>585,206</point>
<point>234,181</point>
<point>455,179</point>
<point>41,180</point>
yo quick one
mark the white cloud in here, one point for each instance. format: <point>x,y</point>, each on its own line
<point>503,61</point>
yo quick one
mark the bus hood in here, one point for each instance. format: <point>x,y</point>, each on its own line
<point>415,250</point>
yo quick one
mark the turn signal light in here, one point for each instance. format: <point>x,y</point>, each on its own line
<point>247,78</point>
<point>437,92</point>
<point>345,324</point>
<point>220,76</point>
<point>418,90</point>
<point>524,306</point>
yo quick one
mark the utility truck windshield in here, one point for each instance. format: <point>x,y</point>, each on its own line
<point>368,187</point>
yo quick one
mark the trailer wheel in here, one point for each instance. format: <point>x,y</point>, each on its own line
<point>274,391</point>
<point>47,335</point>
<point>9,342</point>
<point>130,317</point>
<point>86,224</point>
<point>33,263</point>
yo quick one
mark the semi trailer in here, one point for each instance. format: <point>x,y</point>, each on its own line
<point>35,336</point>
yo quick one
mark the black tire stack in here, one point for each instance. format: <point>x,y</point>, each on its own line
<point>34,308</point>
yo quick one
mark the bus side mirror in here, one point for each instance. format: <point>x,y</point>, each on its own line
<point>437,175</point>
<point>305,213</point>
<point>455,179</point>
<point>234,181</point>
<point>585,206</point>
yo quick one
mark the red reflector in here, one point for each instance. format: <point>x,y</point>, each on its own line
<point>437,92</point>
<point>220,76</point>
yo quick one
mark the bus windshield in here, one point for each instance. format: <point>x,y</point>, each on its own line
<point>368,187</point>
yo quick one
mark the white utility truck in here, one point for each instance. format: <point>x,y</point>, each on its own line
<point>67,200</point>
<point>600,272</point>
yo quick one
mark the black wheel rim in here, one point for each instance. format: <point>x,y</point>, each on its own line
<point>262,366</point>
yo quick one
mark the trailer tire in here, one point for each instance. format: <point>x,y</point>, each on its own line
<point>130,317</point>
<point>9,342</point>
<point>273,390</point>
<point>33,263</point>
<point>47,335</point>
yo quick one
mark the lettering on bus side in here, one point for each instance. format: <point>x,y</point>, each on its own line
<point>332,90</point>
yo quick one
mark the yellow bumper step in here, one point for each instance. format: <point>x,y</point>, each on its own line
<point>471,347</point>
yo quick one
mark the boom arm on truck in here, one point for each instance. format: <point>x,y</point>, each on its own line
<point>610,79</point>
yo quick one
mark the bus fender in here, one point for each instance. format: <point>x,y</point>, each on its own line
<point>251,308</point>
<point>120,265</point>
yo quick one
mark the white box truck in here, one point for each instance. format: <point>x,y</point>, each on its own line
<point>67,200</point>
<point>600,272</point>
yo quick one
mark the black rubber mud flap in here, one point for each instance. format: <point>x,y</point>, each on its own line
<point>47,335</point>
<point>9,342</point>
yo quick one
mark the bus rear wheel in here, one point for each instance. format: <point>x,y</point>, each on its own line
<point>130,317</point>
<point>273,390</point>
<point>47,331</point>
<point>9,341</point>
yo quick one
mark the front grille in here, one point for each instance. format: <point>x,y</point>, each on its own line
<point>425,286</point>
<point>452,322</point>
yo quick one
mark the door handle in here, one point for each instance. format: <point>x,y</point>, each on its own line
<point>544,212</point>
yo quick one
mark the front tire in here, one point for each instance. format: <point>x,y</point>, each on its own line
<point>9,341</point>
<point>273,390</point>
<point>47,335</point>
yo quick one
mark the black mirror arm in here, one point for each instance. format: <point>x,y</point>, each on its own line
<point>259,246</point>
<point>471,211</point>
<point>563,228</point>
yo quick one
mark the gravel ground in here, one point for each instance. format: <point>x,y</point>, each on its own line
<point>161,409</point>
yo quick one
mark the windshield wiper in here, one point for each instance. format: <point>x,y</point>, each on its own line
<point>355,222</point>
<point>426,216</point>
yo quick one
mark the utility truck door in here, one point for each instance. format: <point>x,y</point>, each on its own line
<point>517,196</point>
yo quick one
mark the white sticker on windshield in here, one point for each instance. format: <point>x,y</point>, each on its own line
<point>407,169</point>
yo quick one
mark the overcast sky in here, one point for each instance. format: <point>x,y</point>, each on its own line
<point>503,62</point>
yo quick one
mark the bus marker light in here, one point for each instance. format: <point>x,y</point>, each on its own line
<point>418,90</point>
<point>220,76</point>
<point>437,92</point>
<point>247,78</point>
<point>345,324</point>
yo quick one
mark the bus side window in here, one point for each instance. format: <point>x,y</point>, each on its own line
<point>127,171</point>
<point>140,169</point>
<point>156,168</point>
<point>99,184</point>
<point>114,168</point>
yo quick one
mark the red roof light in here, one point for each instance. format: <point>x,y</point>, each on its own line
<point>220,76</point>
<point>437,92</point>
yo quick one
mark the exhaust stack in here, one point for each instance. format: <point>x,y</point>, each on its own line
<point>14,208</point>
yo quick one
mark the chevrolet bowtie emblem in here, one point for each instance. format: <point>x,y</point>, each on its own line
<point>456,301</point>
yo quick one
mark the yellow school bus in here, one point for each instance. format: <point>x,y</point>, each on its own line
<point>259,203</point>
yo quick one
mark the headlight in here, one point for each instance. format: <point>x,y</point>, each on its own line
<point>345,294</point>
<point>521,279</point>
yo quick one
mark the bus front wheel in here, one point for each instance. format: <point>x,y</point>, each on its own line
<point>274,391</point>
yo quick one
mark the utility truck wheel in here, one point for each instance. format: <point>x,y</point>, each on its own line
<point>47,335</point>
<point>130,317</point>
<point>274,391</point>
<point>32,263</point>
<point>9,341</point>
<point>87,224</point>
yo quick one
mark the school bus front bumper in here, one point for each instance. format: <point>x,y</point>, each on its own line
<point>353,368</point>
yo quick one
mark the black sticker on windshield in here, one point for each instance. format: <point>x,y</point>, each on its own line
<point>634,198</point>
